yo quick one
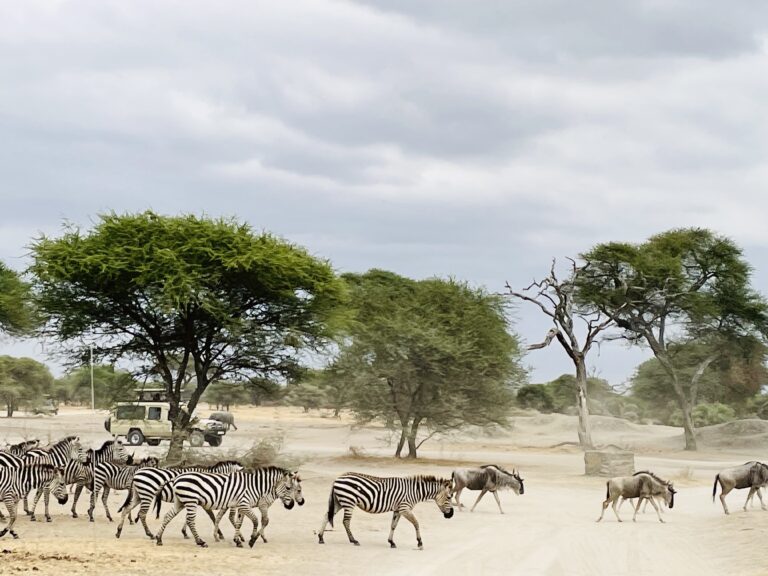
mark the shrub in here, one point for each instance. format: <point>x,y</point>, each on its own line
<point>535,396</point>
<point>705,415</point>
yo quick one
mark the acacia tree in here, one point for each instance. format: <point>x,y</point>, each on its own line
<point>172,295</point>
<point>678,286</point>
<point>434,354</point>
<point>16,312</point>
<point>22,381</point>
<point>555,298</point>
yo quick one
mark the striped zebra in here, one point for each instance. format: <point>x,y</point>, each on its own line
<point>9,460</point>
<point>148,482</point>
<point>16,482</point>
<point>57,455</point>
<point>22,447</point>
<point>240,490</point>
<point>377,495</point>
<point>263,504</point>
<point>108,475</point>
<point>80,475</point>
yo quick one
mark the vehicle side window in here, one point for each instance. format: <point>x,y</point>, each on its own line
<point>154,413</point>
<point>131,412</point>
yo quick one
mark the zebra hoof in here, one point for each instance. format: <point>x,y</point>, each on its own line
<point>251,542</point>
<point>392,544</point>
<point>159,541</point>
<point>48,519</point>
<point>202,544</point>
<point>3,532</point>
<point>117,534</point>
<point>74,515</point>
<point>32,518</point>
<point>15,536</point>
<point>355,542</point>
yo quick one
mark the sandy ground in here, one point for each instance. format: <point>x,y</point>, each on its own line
<point>551,530</point>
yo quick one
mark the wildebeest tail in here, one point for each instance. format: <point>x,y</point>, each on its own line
<point>714,488</point>
<point>607,490</point>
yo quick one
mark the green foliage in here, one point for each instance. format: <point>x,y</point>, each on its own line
<point>706,414</point>
<point>225,394</point>
<point>17,315</point>
<point>433,352</point>
<point>179,294</point>
<point>564,390</point>
<point>306,394</point>
<point>109,386</point>
<point>537,397</point>
<point>681,286</point>
<point>23,382</point>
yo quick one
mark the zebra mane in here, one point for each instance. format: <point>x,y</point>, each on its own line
<point>428,478</point>
<point>224,463</point>
<point>107,444</point>
<point>41,466</point>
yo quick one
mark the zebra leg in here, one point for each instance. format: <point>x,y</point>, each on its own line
<point>247,512</point>
<point>46,499</point>
<point>347,522</point>
<point>94,494</point>
<point>38,493</point>
<point>191,508</point>
<point>408,515</point>
<point>26,504</point>
<point>178,507</point>
<point>395,520</point>
<point>78,491</point>
<point>498,502</point>
<point>482,493</point>
<point>145,504</point>
<point>11,505</point>
<point>135,501</point>
<point>213,519</point>
<point>104,496</point>
<point>216,521</point>
<point>264,510</point>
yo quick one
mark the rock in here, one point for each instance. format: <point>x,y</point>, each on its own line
<point>609,463</point>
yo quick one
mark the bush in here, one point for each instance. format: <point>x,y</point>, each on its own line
<point>536,396</point>
<point>705,415</point>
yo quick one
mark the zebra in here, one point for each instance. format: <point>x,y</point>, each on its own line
<point>80,474</point>
<point>22,447</point>
<point>10,460</point>
<point>241,490</point>
<point>263,504</point>
<point>16,482</point>
<point>377,495</point>
<point>57,455</point>
<point>108,475</point>
<point>148,482</point>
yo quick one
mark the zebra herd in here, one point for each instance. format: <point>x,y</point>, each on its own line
<point>228,488</point>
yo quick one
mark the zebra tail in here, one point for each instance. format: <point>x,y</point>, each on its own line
<point>128,499</point>
<point>714,488</point>
<point>331,506</point>
<point>159,499</point>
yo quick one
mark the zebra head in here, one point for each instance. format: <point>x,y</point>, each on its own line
<point>297,495</point>
<point>119,453</point>
<point>443,497</point>
<point>75,450</point>
<point>285,489</point>
<point>58,488</point>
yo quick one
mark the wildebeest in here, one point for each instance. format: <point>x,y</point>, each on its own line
<point>752,475</point>
<point>642,486</point>
<point>486,478</point>
<point>659,497</point>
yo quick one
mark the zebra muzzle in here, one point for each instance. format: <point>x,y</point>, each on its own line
<point>448,513</point>
<point>288,505</point>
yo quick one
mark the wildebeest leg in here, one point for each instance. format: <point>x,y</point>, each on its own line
<point>656,507</point>
<point>616,512</point>
<point>639,502</point>
<point>395,520</point>
<point>458,495</point>
<point>482,493</point>
<point>408,515</point>
<point>723,493</point>
<point>605,505</point>
<point>496,495</point>
<point>760,495</point>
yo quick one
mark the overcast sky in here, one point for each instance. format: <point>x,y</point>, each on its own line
<point>473,139</point>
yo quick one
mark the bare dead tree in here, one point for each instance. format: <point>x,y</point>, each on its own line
<point>555,299</point>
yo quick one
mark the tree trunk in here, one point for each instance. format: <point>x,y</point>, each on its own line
<point>9,410</point>
<point>690,431</point>
<point>179,432</point>
<point>412,437</point>
<point>585,430</point>
<point>401,442</point>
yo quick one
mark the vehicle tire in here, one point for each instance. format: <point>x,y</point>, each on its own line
<point>214,440</point>
<point>154,442</point>
<point>196,438</point>
<point>135,438</point>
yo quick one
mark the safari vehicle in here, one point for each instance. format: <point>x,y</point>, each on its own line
<point>147,420</point>
<point>46,406</point>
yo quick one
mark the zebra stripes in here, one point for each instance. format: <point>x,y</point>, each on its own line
<point>57,455</point>
<point>240,490</point>
<point>22,447</point>
<point>116,476</point>
<point>148,482</point>
<point>376,495</point>
<point>16,482</point>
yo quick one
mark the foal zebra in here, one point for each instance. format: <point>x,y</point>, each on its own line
<point>22,447</point>
<point>57,455</point>
<point>108,475</point>
<point>240,490</point>
<point>16,482</point>
<point>376,495</point>
<point>148,482</point>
